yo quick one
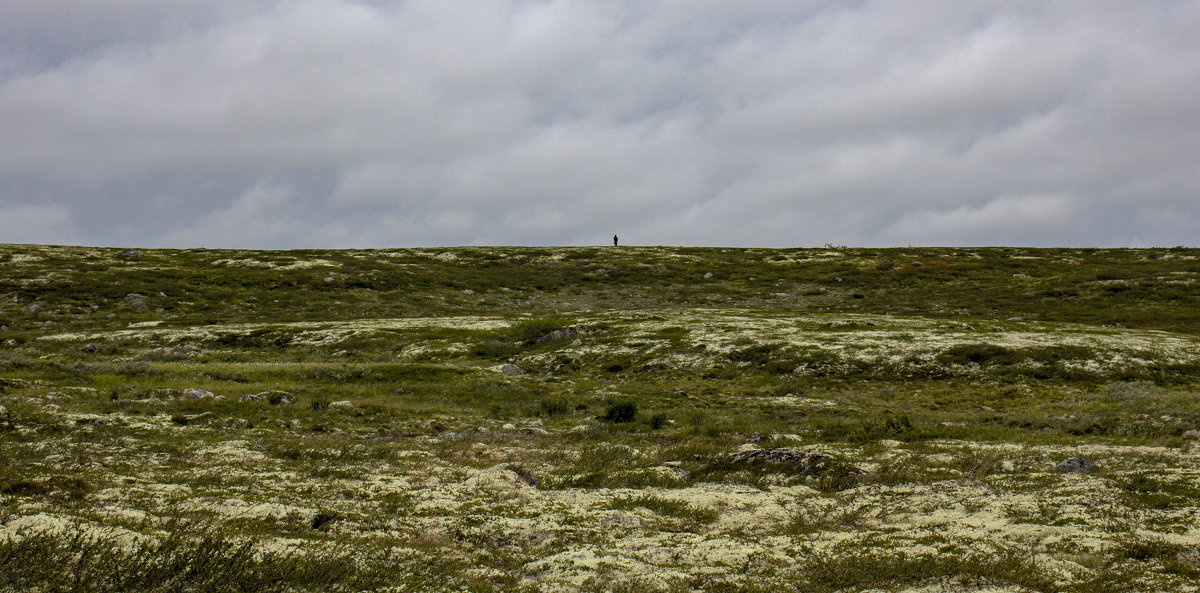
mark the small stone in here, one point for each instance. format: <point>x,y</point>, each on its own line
<point>468,291</point>
<point>509,426</point>
<point>758,437</point>
<point>577,342</point>
<point>511,369</point>
<point>1020,275</point>
<point>341,405</point>
<point>135,300</point>
<point>535,430</point>
<point>3,328</point>
<point>708,275</point>
<point>3,412</point>
<point>89,348</point>
<point>1075,465</point>
<point>35,308</point>
<point>131,253</point>
<point>251,397</point>
<point>1191,434</point>
<point>328,279</point>
<point>194,393</point>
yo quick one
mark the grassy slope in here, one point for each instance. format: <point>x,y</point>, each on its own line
<point>1149,288</point>
<point>914,364</point>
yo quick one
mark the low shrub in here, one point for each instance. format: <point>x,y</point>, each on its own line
<point>621,411</point>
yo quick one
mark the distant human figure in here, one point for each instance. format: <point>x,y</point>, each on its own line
<point>614,240</point>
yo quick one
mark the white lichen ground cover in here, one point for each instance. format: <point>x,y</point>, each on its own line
<point>462,494</point>
<point>450,418</point>
<point>572,540</point>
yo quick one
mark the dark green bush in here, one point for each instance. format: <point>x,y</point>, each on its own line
<point>621,411</point>
<point>983,354</point>
<point>554,406</point>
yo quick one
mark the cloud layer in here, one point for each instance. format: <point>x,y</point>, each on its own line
<point>333,123</point>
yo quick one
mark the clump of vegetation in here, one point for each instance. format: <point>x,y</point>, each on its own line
<point>529,331</point>
<point>666,507</point>
<point>621,411</point>
<point>211,562</point>
<point>555,406</point>
<point>982,354</point>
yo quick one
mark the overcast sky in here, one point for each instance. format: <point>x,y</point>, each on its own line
<point>338,123</point>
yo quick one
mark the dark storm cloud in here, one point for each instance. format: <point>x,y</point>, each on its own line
<point>338,123</point>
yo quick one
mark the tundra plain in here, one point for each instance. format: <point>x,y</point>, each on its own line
<point>599,419</point>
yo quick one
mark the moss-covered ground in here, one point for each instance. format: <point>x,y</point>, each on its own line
<point>599,419</point>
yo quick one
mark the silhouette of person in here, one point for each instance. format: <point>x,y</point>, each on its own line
<point>614,240</point>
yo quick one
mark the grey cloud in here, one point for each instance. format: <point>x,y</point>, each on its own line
<point>330,123</point>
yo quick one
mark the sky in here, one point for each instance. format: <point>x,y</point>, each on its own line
<point>282,124</point>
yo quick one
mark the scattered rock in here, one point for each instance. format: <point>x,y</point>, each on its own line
<point>566,333</point>
<point>535,430</point>
<point>758,437</point>
<point>708,275</point>
<point>194,393</point>
<point>468,291</point>
<point>131,253</point>
<point>1191,434</point>
<point>3,412</point>
<point>3,328</point>
<point>341,405</point>
<point>577,342</point>
<point>35,308</point>
<point>511,369</point>
<point>1020,275</point>
<point>89,348</point>
<point>452,434</point>
<point>135,300</point>
<point>328,279</point>
<point>802,462</point>
<point>1075,465</point>
<point>508,426</point>
<point>272,397</point>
